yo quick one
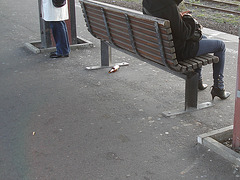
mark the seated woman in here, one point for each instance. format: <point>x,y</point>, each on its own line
<point>185,46</point>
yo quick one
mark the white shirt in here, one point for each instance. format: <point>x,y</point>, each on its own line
<point>52,13</point>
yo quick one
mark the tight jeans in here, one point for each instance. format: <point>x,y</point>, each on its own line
<point>217,47</point>
<point>60,34</point>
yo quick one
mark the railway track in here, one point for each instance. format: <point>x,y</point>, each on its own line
<point>230,7</point>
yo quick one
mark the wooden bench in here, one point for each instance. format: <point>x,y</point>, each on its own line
<point>147,38</point>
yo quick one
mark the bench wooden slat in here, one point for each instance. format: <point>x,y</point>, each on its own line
<point>194,64</point>
<point>188,66</point>
<point>136,24</point>
<point>215,59</point>
<point>157,59</point>
<point>149,44</point>
<point>204,61</point>
<point>169,58</point>
<point>199,63</point>
<point>96,30</point>
<point>209,60</point>
<point>165,38</point>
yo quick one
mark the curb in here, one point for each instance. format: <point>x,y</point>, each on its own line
<point>213,140</point>
<point>35,46</point>
<point>220,35</point>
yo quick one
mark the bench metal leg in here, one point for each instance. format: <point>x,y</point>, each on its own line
<point>191,97</point>
<point>191,91</point>
<point>106,58</point>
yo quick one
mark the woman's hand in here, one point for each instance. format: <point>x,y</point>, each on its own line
<point>185,13</point>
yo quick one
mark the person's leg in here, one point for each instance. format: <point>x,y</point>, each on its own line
<point>199,70</point>
<point>65,42</point>
<point>218,48</point>
<point>201,85</point>
<point>60,34</point>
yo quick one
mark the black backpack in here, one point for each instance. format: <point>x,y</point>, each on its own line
<point>59,3</point>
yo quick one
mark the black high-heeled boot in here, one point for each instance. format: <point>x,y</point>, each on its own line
<point>221,93</point>
<point>201,86</point>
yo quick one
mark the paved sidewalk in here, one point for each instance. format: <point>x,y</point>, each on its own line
<point>60,121</point>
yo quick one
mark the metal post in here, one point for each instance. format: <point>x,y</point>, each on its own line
<point>46,35</point>
<point>191,91</point>
<point>236,124</point>
<point>106,57</point>
<point>45,30</point>
<point>71,23</point>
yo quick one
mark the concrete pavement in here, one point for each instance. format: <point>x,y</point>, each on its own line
<point>60,121</point>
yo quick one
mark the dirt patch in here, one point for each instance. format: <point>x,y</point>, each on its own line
<point>228,143</point>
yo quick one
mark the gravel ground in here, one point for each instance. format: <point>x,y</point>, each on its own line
<point>208,18</point>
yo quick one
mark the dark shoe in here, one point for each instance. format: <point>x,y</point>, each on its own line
<point>201,86</point>
<point>221,93</point>
<point>55,55</point>
<point>54,52</point>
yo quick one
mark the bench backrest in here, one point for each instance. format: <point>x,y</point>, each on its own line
<point>143,35</point>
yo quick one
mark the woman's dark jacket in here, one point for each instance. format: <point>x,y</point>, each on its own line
<point>182,30</point>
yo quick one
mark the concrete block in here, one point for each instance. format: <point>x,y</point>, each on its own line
<point>214,139</point>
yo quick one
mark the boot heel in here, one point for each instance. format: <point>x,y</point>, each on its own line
<point>201,86</point>
<point>213,96</point>
<point>221,93</point>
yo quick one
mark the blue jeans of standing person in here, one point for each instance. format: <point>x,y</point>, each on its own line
<point>217,47</point>
<point>60,34</point>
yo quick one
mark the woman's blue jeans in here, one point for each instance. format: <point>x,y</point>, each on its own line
<point>217,47</point>
<point>60,35</point>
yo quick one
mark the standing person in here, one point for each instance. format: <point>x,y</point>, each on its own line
<point>185,46</point>
<point>57,16</point>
